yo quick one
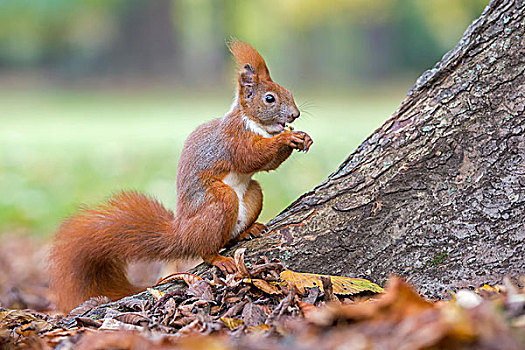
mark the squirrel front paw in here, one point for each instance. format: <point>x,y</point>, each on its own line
<point>255,230</point>
<point>298,140</point>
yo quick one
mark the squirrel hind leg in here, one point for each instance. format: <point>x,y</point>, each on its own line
<point>206,231</point>
<point>253,201</point>
<point>225,263</point>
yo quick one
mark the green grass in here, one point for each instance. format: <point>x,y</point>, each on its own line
<point>59,149</point>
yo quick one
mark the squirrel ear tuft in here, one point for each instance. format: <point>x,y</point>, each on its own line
<point>247,66</point>
<point>245,54</point>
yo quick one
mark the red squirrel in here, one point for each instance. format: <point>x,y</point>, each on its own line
<point>218,202</point>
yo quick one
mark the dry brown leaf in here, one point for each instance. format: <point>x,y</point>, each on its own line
<point>214,310</point>
<point>256,307</point>
<point>232,299</point>
<point>183,321</point>
<point>15,317</point>
<point>87,322</point>
<point>235,309</point>
<point>113,324</point>
<point>232,281</point>
<point>399,301</point>
<point>242,270</point>
<point>313,294</point>
<point>134,303</point>
<point>88,305</point>
<point>253,315</point>
<point>133,318</point>
<point>188,278</point>
<point>265,286</point>
<point>24,323</point>
<point>193,327</point>
<point>30,329</point>
<point>266,267</point>
<point>54,337</point>
<point>202,290</point>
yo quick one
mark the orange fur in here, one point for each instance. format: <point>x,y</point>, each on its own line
<point>87,259</point>
<point>254,201</point>
<point>91,250</point>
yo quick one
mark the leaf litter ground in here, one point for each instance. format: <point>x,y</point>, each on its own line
<point>263,306</point>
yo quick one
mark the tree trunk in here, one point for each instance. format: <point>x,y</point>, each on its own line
<point>437,193</point>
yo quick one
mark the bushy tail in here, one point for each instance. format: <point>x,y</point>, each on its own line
<point>91,250</point>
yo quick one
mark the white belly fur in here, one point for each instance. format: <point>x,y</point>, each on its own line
<point>239,183</point>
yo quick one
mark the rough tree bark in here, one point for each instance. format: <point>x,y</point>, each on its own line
<point>437,193</point>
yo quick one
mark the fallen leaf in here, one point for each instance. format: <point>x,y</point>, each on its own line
<point>399,301</point>
<point>306,308</point>
<point>188,278</point>
<point>265,286</point>
<point>133,318</point>
<point>192,328</point>
<point>259,329</point>
<point>157,294</point>
<point>253,315</point>
<point>134,303</point>
<point>112,324</point>
<point>10,318</point>
<point>341,285</point>
<point>57,336</point>
<point>202,290</point>
<point>488,288</point>
<point>22,323</point>
<point>231,322</point>
<point>87,322</point>
<point>242,270</point>
<point>88,305</point>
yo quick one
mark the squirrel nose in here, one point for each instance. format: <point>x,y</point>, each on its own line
<point>295,114</point>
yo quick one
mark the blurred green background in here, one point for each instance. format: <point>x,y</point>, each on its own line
<point>98,96</point>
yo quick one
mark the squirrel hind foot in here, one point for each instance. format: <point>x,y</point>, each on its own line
<point>225,263</point>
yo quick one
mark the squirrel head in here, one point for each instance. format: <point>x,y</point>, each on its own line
<point>265,102</point>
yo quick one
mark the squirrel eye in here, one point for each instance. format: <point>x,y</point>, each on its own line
<point>269,98</point>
